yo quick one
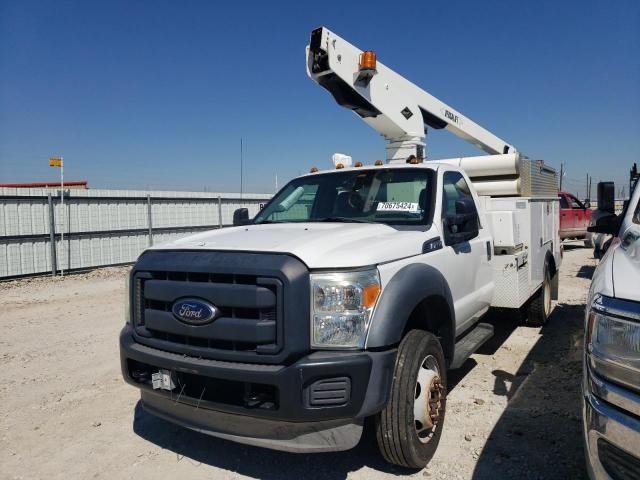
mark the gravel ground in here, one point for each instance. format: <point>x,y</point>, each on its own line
<point>65,412</point>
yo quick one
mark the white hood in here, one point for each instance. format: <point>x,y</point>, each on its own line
<point>318,245</point>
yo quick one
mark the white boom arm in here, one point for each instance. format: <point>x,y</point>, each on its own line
<point>388,102</point>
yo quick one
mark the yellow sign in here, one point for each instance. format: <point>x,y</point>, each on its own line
<point>55,162</point>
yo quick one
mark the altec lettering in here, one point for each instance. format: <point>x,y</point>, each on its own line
<point>451,116</point>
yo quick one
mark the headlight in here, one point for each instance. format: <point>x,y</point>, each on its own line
<point>341,307</point>
<point>613,340</point>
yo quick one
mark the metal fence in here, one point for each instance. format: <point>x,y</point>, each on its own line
<point>102,227</point>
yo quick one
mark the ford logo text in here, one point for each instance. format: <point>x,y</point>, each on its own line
<point>194,312</point>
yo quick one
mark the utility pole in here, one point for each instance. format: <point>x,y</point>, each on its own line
<point>59,163</point>
<point>561,174</point>
<point>64,215</point>
<point>241,169</point>
<point>586,187</point>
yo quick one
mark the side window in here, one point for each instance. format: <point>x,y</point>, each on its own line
<point>575,203</point>
<point>458,226</point>
<point>563,202</point>
<point>297,206</point>
<point>454,187</point>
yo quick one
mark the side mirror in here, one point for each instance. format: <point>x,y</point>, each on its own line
<point>608,225</point>
<point>606,197</point>
<point>587,203</point>
<point>463,225</point>
<point>240,217</point>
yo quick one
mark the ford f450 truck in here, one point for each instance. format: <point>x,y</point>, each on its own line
<point>354,290</point>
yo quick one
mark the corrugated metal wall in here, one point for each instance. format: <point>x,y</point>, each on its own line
<point>103,227</point>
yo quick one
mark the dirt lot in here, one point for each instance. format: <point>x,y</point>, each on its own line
<point>513,409</point>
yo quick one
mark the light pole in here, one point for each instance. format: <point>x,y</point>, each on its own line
<point>59,162</point>
<point>64,214</point>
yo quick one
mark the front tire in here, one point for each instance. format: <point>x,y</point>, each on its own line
<point>408,430</point>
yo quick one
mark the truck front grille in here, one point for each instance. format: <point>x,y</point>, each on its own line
<point>249,318</point>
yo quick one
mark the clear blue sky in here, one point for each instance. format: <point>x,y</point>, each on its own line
<point>156,93</point>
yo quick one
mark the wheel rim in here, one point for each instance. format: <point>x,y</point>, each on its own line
<point>547,299</point>
<point>428,399</point>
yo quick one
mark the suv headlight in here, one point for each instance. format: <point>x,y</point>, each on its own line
<point>341,307</point>
<point>613,340</point>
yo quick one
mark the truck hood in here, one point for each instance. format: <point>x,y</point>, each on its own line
<point>626,265</point>
<point>318,245</point>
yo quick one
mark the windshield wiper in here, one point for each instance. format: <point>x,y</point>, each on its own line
<point>341,220</point>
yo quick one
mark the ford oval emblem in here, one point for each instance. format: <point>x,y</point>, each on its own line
<point>194,312</point>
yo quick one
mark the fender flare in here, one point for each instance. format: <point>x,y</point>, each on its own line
<point>405,291</point>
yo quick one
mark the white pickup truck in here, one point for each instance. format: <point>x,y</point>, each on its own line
<point>350,294</point>
<point>611,383</point>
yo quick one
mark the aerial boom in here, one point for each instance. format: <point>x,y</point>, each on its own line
<point>392,105</point>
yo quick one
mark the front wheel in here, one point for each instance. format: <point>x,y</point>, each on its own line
<point>409,428</point>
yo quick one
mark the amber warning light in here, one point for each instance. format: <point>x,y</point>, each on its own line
<point>368,61</point>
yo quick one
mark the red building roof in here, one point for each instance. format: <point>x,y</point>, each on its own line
<point>71,184</point>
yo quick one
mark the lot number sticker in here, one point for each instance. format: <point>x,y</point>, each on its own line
<point>398,207</point>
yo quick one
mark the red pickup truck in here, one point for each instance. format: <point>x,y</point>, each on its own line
<point>575,217</point>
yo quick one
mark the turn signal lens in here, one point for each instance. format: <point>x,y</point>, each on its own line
<point>367,60</point>
<point>358,164</point>
<point>370,295</point>
<point>313,170</point>
<point>378,163</point>
<point>339,166</point>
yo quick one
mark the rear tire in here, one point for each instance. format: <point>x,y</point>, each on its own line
<point>540,306</point>
<point>408,430</point>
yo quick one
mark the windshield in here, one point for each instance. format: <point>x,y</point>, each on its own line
<point>400,196</point>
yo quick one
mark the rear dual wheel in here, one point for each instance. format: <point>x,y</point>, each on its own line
<point>409,428</point>
<point>540,306</point>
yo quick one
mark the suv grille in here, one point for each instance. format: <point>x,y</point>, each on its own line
<point>249,308</point>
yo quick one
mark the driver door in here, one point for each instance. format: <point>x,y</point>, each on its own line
<point>468,267</point>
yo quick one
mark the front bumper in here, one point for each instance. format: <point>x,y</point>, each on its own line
<point>611,434</point>
<point>291,419</point>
